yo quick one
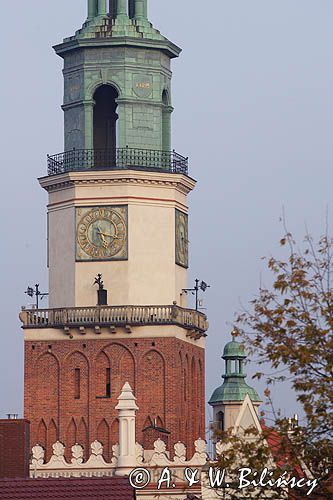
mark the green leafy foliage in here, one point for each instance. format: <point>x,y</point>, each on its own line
<point>290,327</point>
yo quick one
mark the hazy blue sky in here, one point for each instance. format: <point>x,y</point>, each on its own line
<point>253,105</point>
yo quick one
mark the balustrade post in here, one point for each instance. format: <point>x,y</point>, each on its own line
<point>50,317</point>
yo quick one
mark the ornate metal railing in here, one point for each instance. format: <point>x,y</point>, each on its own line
<point>118,159</point>
<point>114,316</point>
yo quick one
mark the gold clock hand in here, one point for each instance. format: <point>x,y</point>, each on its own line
<point>111,236</point>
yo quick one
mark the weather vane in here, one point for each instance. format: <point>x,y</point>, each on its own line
<point>31,292</point>
<point>102,294</point>
<point>99,281</point>
<point>195,291</point>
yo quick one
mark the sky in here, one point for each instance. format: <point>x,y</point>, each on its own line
<point>252,93</point>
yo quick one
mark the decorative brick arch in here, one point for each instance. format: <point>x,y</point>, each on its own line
<point>71,438</point>
<point>115,431</point>
<point>42,434</point>
<point>151,397</point>
<point>46,408</point>
<point>123,367</point>
<point>52,434</point>
<point>103,436</point>
<point>83,437</point>
<point>102,365</point>
<point>76,360</point>
<point>75,400</point>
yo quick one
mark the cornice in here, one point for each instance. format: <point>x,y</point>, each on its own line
<point>75,43</point>
<point>181,182</point>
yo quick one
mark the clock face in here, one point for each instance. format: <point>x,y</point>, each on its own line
<point>101,233</point>
<point>181,239</point>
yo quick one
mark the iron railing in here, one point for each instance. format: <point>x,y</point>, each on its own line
<point>118,159</point>
<point>114,316</point>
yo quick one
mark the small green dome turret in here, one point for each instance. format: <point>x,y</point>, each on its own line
<point>234,350</point>
<point>234,387</point>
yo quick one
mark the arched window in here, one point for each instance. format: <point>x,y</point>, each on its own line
<point>220,421</point>
<point>166,122</point>
<point>105,126</point>
<point>103,376</point>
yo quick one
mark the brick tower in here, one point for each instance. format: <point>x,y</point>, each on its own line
<point>117,208</point>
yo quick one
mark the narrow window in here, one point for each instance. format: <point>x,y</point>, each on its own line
<point>220,421</point>
<point>77,383</point>
<point>105,126</point>
<point>108,383</point>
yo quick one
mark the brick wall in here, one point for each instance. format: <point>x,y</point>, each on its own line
<point>14,448</point>
<point>67,396</point>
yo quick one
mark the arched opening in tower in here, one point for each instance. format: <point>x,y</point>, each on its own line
<point>166,129</point>
<point>166,122</point>
<point>220,421</point>
<point>105,126</point>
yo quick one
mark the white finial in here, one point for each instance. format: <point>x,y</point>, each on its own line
<point>127,399</point>
<point>127,408</point>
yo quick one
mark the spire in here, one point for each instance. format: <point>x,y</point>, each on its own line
<point>234,387</point>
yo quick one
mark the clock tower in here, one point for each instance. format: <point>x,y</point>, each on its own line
<point>118,210</point>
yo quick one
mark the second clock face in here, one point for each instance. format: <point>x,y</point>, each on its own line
<point>181,239</point>
<point>101,233</point>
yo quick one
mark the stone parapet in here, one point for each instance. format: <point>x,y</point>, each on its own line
<point>115,316</point>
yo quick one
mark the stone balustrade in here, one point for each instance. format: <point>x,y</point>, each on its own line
<point>113,316</point>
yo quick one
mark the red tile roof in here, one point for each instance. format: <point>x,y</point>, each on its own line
<point>66,489</point>
<point>280,450</point>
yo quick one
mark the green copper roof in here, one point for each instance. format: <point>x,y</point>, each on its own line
<point>114,24</point>
<point>234,350</point>
<point>106,27</point>
<point>234,387</point>
<point>233,390</point>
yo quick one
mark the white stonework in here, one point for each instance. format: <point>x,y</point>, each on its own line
<point>129,455</point>
<point>96,465</point>
<point>126,456</point>
<point>152,198</point>
<point>245,418</point>
<point>127,446</point>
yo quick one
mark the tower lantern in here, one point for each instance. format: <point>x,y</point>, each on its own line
<point>117,209</point>
<point>227,399</point>
<point>117,85</point>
